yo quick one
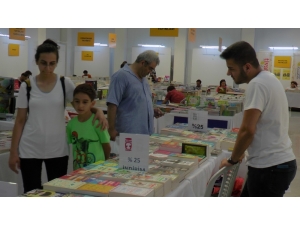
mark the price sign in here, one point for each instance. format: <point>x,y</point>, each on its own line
<point>134,152</point>
<point>197,120</point>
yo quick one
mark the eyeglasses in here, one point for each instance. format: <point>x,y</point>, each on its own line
<point>51,64</point>
<point>151,68</point>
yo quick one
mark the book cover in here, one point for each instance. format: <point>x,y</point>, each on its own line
<point>166,181</point>
<point>131,191</point>
<point>95,189</point>
<point>42,193</point>
<point>69,184</point>
<point>158,187</point>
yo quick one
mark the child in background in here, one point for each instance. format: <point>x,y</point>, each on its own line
<point>90,144</point>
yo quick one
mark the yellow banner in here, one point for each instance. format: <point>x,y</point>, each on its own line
<point>164,32</point>
<point>286,75</point>
<point>277,72</point>
<point>192,34</point>
<point>13,50</point>
<point>282,61</point>
<point>87,55</point>
<point>17,34</point>
<point>112,40</point>
<point>85,39</point>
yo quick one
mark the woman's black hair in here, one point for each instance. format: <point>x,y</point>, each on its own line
<point>48,46</point>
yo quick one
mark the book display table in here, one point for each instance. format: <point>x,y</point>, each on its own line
<point>226,122</point>
<point>195,184</point>
<point>293,99</point>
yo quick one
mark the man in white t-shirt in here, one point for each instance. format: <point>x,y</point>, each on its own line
<point>264,130</point>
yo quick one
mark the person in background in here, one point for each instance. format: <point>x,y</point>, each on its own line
<point>86,75</point>
<point>223,87</point>
<point>123,63</point>
<point>153,76</point>
<point>24,76</point>
<point>173,95</point>
<point>198,85</point>
<point>129,99</point>
<point>294,86</point>
<point>89,143</point>
<point>264,131</point>
<point>39,133</point>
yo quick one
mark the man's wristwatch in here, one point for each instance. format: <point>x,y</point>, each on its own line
<point>231,162</point>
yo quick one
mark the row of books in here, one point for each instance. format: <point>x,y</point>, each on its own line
<point>172,137</point>
<point>104,178</point>
<point>5,140</point>
<point>166,168</point>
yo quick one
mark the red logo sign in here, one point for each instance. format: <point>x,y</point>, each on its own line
<point>128,144</point>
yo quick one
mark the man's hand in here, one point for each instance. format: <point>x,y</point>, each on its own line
<point>14,162</point>
<point>158,113</point>
<point>113,134</point>
<point>226,163</point>
<point>102,120</point>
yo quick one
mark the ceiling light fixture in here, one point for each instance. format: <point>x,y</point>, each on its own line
<point>212,47</point>
<point>155,46</point>
<point>283,48</point>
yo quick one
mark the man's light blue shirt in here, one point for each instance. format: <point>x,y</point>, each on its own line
<point>133,99</point>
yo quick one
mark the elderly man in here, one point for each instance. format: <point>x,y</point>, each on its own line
<point>129,98</point>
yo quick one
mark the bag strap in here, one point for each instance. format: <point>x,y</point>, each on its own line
<point>28,89</point>
<point>62,80</point>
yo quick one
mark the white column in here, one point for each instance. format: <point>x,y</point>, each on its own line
<point>120,49</point>
<point>180,56</point>
<point>66,38</point>
<point>41,35</point>
<point>248,35</point>
<point>38,36</point>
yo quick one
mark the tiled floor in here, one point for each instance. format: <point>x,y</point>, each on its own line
<point>294,132</point>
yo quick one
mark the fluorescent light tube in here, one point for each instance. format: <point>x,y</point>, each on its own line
<point>212,47</point>
<point>6,35</point>
<point>283,48</point>
<point>156,46</point>
<point>99,44</point>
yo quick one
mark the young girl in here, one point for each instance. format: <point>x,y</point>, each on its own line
<point>223,87</point>
<point>89,143</point>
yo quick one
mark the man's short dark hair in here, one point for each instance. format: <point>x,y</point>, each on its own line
<point>85,71</point>
<point>199,81</point>
<point>170,88</point>
<point>28,73</point>
<point>85,89</point>
<point>241,52</point>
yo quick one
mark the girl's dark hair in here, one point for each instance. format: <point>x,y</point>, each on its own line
<point>85,89</point>
<point>222,81</point>
<point>48,46</point>
<point>294,82</point>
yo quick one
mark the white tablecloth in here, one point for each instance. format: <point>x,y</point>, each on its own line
<point>293,99</point>
<point>198,179</point>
